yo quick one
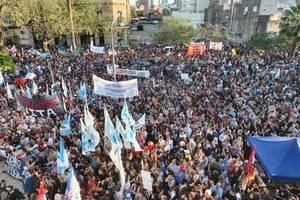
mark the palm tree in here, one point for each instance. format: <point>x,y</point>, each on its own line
<point>290,26</point>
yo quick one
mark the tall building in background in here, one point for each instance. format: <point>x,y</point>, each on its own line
<point>245,18</point>
<point>118,10</point>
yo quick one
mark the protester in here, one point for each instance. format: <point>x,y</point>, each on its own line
<point>194,138</point>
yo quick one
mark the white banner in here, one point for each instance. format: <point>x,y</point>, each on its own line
<point>121,89</point>
<point>147,180</point>
<point>184,76</point>
<point>129,72</point>
<point>216,46</point>
<point>96,49</point>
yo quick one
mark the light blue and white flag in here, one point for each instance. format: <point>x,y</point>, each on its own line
<point>85,144</point>
<point>70,92</point>
<point>1,79</point>
<point>34,88</point>
<point>126,116</point>
<point>8,92</point>
<point>65,128</point>
<point>88,117</point>
<point>47,91</point>
<point>73,188</point>
<point>64,87</point>
<point>140,122</point>
<point>277,75</point>
<point>92,134</point>
<point>28,93</point>
<point>132,138</point>
<point>110,131</point>
<point>19,106</point>
<point>126,138</point>
<point>62,158</point>
<point>82,91</point>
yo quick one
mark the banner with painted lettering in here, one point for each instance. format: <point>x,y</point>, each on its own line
<point>96,49</point>
<point>128,72</point>
<point>14,167</point>
<point>17,169</point>
<point>121,89</point>
<point>50,106</point>
<point>196,48</point>
<point>216,46</point>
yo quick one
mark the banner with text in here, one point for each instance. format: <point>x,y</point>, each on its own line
<point>96,49</point>
<point>128,72</point>
<point>195,49</point>
<point>121,89</point>
<point>216,46</point>
<point>14,167</point>
<point>42,107</point>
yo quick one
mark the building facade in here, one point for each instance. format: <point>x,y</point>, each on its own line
<point>245,18</point>
<point>117,11</point>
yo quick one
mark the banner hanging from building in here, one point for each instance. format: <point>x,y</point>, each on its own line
<point>128,72</point>
<point>196,49</point>
<point>50,106</point>
<point>121,89</point>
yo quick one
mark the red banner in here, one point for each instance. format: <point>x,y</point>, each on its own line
<point>195,49</point>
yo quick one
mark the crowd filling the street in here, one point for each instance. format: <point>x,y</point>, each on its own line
<point>198,110</point>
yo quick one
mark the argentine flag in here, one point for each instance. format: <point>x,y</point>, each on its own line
<point>82,91</point>
<point>73,188</point>
<point>126,116</point>
<point>62,158</point>
<point>65,128</point>
<point>1,79</point>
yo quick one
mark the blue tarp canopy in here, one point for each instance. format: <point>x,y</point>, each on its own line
<point>279,156</point>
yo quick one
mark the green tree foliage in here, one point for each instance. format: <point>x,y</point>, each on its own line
<point>133,12</point>
<point>5,5</point>
<point>45,18</point>
<point>274,45</point>
<point>261,41</point>
<point>50,18</point>
<point>290,26</point>
<point>174,31</point>
<point>6,63</point>
<point>88,17</point>
<point>207,32</point>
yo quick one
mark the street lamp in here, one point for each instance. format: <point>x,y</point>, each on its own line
<point>113,47</point>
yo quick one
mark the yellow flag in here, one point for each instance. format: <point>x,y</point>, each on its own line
<point>233,51</point>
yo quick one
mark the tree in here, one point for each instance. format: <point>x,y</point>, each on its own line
<point>133,12</point>
<point>208,32</point>
<point>273,45</point>
<point>45,18</point>
<point>5,5</point>
<point>48,19</point>
<point>290,26</point>
<point>6,63</point>
<point>174,31</point>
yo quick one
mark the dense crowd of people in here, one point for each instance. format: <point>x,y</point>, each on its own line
<point>194,140</point>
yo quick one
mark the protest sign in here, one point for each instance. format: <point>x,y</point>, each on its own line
<point>122,89</point>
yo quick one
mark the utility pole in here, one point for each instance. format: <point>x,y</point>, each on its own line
<point>231,15</point>
<point>113,46</point>
<point>72,24</point>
